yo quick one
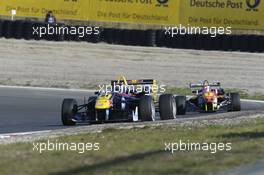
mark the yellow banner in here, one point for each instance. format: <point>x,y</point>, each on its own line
<point>139,11</point>
<point>63,9</point>
<point>238,14</point>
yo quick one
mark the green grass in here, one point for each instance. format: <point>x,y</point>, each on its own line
<point>244,94</point>
<point>141,151</point>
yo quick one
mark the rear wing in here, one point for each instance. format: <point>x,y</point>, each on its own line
<point>122,81</point>
<point>134,82</point>
<point>196,87</point>
<point>200,85</point>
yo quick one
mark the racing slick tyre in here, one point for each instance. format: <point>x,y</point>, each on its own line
<point>235,104</point>
<point>100,115</point>
<point>181,105</point>
<point>167,107</point>
<point>146,108</point>
<point>68,110</point>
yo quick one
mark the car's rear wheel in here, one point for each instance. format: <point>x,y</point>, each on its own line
<point>235,104</point>
<point>167,107</point>
<point>68,110</point>
<point>181,105</point>
<point>101,115</point>
<point>146,108</point>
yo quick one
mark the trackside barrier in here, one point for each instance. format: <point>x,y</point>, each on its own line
<point>1,28</point>
<point>244,43</point>
<point>20,29</point>
<point>27,30</point>
<point>7,29</point>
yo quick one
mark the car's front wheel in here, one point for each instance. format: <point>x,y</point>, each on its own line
<point>181,105</point>
<point>167,107</point>
<point>68,110</point>
<point>235,104</point>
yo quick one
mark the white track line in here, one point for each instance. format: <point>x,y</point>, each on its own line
<point>9,135</point>
<point>253,101</point>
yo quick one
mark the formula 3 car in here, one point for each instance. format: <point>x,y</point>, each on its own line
<point>121,105</point>
<point>209,97</point>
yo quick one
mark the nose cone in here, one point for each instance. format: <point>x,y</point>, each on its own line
<point>209,97</point>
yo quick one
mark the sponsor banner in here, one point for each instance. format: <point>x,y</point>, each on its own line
<point>63,9</point>
<point>139,11</point>
<point>239,14</point>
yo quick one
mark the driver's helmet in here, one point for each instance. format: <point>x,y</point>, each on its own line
<point>206,86</point>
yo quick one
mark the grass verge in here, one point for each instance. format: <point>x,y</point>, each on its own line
<point>141,151</point>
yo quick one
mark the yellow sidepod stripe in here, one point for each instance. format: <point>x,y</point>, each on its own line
<point>104,102</point>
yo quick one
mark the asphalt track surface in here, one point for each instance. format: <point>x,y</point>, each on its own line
<point>37,109</point>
